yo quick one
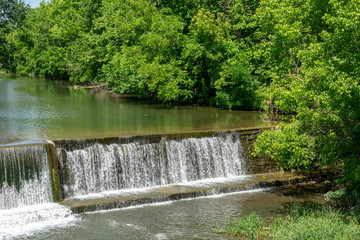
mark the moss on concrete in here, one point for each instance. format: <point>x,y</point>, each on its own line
<point>54,171</point>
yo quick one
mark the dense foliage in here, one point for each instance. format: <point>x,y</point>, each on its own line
<point>187,51</point>
<point>12,16</point>
<point>320,88</point>
<point>299,58</point>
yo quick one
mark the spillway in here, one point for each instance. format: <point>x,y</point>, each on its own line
<point>27,191</point>
<point>42,185</point>
<point>25,177</point>
<point>105,167</point>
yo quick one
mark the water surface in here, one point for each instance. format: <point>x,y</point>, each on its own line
<point>185,219</point>
<point>32,109</point>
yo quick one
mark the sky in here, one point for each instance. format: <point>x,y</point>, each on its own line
<point>33,3</point>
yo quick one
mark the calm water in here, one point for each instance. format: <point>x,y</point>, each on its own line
<point>33,109</point>
<point>186,219</point>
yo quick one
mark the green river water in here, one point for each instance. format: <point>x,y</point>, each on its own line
<point>32,109</point>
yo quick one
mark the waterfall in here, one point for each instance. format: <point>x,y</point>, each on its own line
<point>24,176</point>
<point>105,167</point>
<point>26,192</point>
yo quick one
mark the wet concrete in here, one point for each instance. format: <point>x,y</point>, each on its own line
<point>125,198</point>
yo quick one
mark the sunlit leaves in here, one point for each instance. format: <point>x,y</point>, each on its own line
<point>289,147</point>
<point>323,92</point>
<point>12,15</point>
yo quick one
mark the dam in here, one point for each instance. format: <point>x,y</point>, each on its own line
<point>72,176</point>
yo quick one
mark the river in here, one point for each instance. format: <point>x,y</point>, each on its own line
<point>35,108</point>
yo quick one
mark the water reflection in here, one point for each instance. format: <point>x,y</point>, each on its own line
<point>37,109</point>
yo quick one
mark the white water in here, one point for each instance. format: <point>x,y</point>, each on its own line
<point>26,194</point>
<point>128,192</point>
<point>180,200</point>
<point>25,221</point>
<point>30,166</point>
<point>100,168</point>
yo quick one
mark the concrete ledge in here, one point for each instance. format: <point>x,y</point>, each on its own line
<point>71,144</point>
<point>177,192</point>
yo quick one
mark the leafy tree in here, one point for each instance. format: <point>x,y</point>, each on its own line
<point>324,97</point>
<point>144,51</point>
<point>204,52</point>
<point>51,38</point>
<point>237,85</point>
<point>12,15</point>
<point>188,51</point>
<point>285,28</point>
<point>188,9</point>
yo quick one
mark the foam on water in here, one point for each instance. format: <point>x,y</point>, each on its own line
<point>25,221</point>
<point>211,181</point>
<point>229,194</point>
<point>102,171</point>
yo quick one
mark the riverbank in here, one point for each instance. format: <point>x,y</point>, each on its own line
<point>103,88</point>
<point>303,221</point>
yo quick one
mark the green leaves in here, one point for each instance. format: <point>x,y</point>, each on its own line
<point>176,52</point>
<point>236,87</point>
<point>204,50</point>
<point>317,80</point>
<point>146,61</point>
<point>289,147</point>
<point>12,15</point>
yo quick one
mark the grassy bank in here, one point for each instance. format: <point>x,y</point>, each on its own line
<point>302,222</point>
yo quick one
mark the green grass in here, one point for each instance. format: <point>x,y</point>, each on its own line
<point>303,222</point>
<point>250,226</point>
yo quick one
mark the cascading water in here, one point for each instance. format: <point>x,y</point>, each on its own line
<point>26,192</point>
<point>106,173</point>
<point>24,176</point>
<point>98,168</point>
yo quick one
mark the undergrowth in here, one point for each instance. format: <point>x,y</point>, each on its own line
<point>302,222</point>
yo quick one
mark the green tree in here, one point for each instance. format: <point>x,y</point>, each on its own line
<point>188,51</point>
<point>205,51</point>
<point>324,97</point>
<point>48,44</point>
<point>285,28</point>
<point>12,15</point>
<point>143,50</point>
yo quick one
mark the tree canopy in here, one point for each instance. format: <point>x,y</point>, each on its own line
<point>188,51</point>
<point>320,89</point>
<point>12,16</point>
<point>298,58</point>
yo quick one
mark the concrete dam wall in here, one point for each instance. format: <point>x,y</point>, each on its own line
<point>60,170</point>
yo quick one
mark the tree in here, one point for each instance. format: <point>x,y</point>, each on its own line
<point>188,51</point>
<point>12,15</point>
<point>324,99</point>
<point>52,36</point>
<point>205,51</point>
<point>143,51</point>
